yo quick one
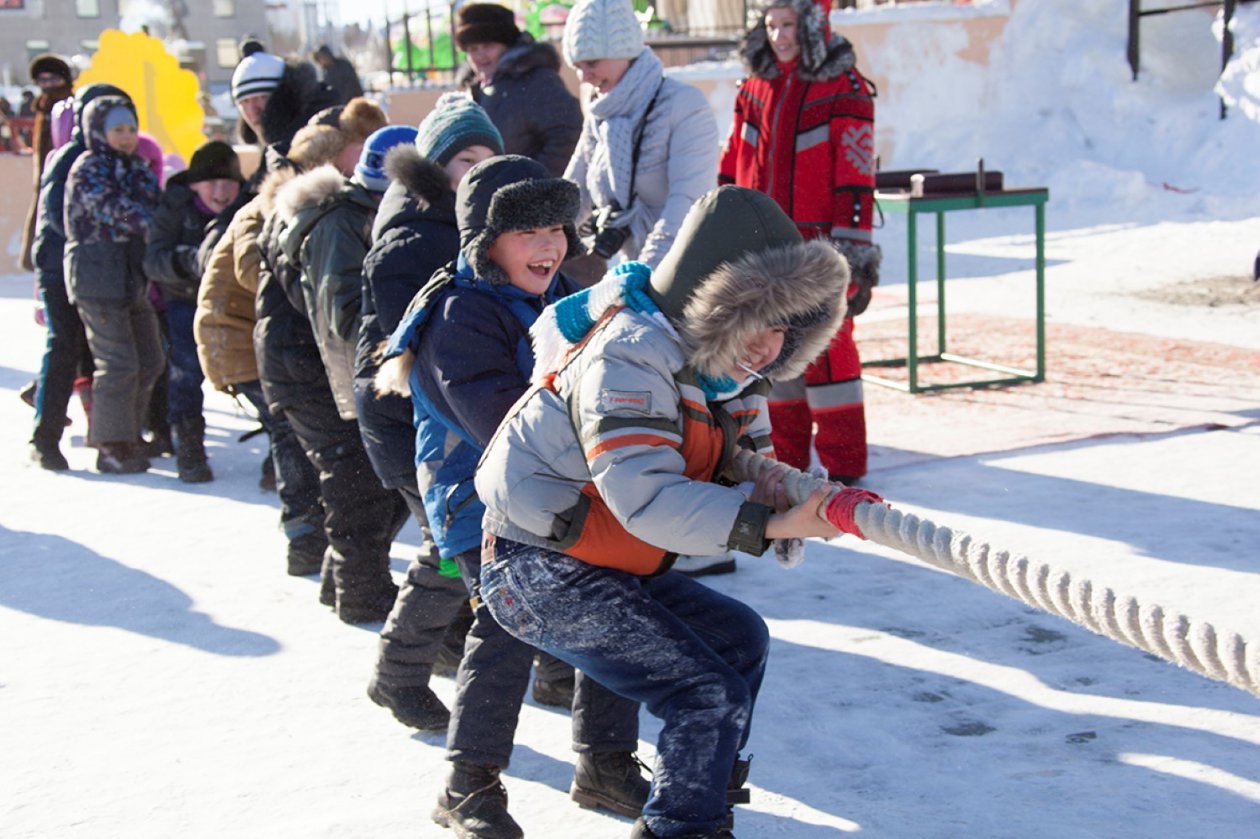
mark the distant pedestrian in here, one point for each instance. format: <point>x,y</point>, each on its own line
<point>339,74</point>
<point>53,76</point>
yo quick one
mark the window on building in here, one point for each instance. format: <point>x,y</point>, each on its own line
<point>225,8</point>
<point>34,48</point>
<point>225,52</point>
<point>87,8</point>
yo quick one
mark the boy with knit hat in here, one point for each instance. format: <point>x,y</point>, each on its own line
<point>463,354</point>
<point>415,234</point>
<point>190,201</point>
<point>110,198</point>
<point>517,80</point>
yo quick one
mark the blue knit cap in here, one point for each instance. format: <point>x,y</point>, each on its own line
<point>119,115</point>
<point>455,123</point>
<point>370,170</point>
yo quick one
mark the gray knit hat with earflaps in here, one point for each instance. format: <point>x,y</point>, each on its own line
<point>739,265</point>
<point>503,194</point>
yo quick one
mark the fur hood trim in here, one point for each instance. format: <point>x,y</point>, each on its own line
<point>422,178</point>
<point>824,54</point>
<point>801,287</point>
<point>271,186</point>
<point>309,189</point>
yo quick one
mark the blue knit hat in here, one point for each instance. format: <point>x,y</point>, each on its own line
<point>370,170</point>
<point>455,123</point>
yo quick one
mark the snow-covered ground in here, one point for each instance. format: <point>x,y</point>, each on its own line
<point>160,675</point>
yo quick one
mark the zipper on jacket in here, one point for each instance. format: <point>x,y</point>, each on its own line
<point>774,130</point>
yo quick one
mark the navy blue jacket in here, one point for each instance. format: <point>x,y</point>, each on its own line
<point>473,361</point>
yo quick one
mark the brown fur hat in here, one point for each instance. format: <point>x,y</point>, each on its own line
<point>332,129</point>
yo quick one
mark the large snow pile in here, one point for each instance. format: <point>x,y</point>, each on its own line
<point>1057,106</point>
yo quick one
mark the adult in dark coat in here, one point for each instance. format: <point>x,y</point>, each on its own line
<point>65,353</point>
<point>517,80</point>
<point>361,517</point>
<point>339,74</point>
<point>54,78</point>
<point>275,99</point>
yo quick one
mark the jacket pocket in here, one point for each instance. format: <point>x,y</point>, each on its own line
<point>96,271</point>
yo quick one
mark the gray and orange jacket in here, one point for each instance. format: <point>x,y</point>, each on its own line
<point>614,455</point>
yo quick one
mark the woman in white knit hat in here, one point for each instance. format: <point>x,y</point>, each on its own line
<point>649,145</point>
<point>648,151</point>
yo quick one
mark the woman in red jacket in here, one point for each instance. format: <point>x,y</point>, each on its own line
<point>804,133</point>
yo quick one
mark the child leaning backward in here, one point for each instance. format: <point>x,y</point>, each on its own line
<point>463,353</point>
<point>646,385</point>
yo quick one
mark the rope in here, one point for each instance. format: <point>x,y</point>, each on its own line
<point>1194,645</point>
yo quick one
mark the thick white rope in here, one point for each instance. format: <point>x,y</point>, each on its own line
<point>1172,636</point>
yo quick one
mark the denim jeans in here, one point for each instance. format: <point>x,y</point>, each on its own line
<point>491,684</point>
<point>694,657</point>
<point>184,395</point>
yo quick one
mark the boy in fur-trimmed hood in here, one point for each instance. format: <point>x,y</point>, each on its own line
<point>645,385</point>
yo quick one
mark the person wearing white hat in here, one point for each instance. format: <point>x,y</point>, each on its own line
<point>275,98</point>
<point>649,144</point>
<point>649,150</point>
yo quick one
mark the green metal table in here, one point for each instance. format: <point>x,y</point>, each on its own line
<point>901,202</point>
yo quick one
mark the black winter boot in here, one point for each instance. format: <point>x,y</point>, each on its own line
<point>413,705</point>
<point>305,555</point>
<point>46,454</point>
<point>190,454</point>
<point>610,780</point>
<point>736,792</point>
<point>367,606</point>
<point>474,804</point>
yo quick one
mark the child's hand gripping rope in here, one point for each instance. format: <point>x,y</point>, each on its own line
<point>1161,632</point>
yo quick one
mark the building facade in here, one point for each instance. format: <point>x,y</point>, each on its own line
<point>203,34</point>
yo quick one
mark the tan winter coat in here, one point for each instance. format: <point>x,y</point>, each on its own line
<point>224,323</point>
